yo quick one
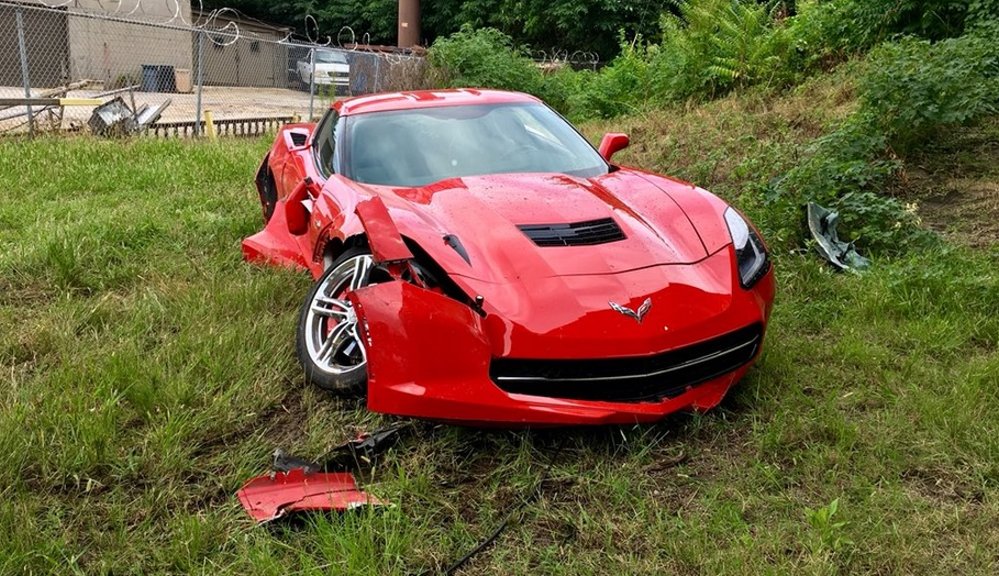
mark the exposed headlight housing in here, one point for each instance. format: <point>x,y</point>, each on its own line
<point>750,252</point>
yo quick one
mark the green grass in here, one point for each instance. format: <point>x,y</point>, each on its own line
<point>149,372</point>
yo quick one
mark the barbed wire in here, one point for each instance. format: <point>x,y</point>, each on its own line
<point>560,57</point>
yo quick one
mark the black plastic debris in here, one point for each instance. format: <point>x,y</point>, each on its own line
<point>349,456</point>
<point>822,224</point>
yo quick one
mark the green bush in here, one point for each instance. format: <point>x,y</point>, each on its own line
<point>714,46</point>
<point>483,58</point>
<point>910,88</point>
<point>621,87</point>
<point>848,171</point>
<point>823,33</point>
<point>914,86</point>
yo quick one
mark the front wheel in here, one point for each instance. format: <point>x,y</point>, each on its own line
<point>328,343</point>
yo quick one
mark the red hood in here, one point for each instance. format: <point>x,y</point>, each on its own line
<point>484,214</point>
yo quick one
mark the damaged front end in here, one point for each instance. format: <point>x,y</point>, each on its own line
<point>536,356</point>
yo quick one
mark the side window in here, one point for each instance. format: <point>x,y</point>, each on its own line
<point>325,143</point>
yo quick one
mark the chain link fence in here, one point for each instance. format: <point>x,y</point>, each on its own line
<point>177,71</point>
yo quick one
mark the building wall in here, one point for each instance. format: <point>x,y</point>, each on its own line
<point>46,44</point>
<point>63,47</point>
<point>253,59</point>
<point>114,52</point>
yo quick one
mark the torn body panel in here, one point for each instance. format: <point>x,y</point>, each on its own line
<point>274,244</point>
<point>383,237</point>
<point>275,495</point>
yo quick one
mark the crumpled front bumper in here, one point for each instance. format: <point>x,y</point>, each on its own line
<point>429,357</point>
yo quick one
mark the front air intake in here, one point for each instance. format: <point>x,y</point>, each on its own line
<point>577,234</point>
<point>630,379</point>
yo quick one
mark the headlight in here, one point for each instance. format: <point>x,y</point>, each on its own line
<point>750,253</point>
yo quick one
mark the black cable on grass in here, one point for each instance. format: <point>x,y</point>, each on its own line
<point>488,540</point>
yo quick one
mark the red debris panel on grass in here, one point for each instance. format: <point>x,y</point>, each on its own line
<point>272,496</point>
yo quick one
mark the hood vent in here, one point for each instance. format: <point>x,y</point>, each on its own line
<point>578,234</point>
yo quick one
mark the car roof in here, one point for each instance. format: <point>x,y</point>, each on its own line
<point>427,99</point>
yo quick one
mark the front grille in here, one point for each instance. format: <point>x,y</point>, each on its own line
<point>578,234</point>
<point>634,379</point>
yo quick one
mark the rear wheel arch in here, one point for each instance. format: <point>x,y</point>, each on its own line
<point>267,188</point>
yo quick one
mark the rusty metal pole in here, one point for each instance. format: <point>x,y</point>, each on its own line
<point>409,23</point>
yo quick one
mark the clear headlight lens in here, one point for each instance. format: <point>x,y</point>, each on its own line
<point>750,253</point>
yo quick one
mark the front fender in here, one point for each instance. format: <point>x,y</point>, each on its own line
<point>415,337</point>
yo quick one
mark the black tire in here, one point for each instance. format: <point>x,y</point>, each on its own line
<point>326,342</point>
<point>268,195</point>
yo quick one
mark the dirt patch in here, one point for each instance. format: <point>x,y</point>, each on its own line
<point>943,485</point>
<point>956,182</point>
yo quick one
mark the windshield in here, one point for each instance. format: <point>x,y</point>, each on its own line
<point>330,58</point>
<point>419,147</point>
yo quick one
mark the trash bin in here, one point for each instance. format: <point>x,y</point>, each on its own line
<point>150,82</point>
<point>158,78</point>
<point>167,81</point>
<point>182,78</point>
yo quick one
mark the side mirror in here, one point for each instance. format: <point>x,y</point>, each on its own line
<point>612,144</point>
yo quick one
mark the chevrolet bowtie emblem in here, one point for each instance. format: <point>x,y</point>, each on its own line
<point>636,314</point>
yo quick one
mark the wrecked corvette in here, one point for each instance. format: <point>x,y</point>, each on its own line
<point>477,261</point>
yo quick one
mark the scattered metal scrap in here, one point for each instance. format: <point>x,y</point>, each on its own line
<point>116,118</point>
<point>51,103</point>
<point>822,224</point>
<point>110,118</point>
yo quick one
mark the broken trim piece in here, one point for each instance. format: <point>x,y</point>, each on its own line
<point>384,238</point>
<point>272,496</point>
<point>822,224</point>
<point>351,455</point>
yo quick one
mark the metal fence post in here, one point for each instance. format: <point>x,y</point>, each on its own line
<point>24,69</point>
<point>312,79</point>
<point>197,99</point>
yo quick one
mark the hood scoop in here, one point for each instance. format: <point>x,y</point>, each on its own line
<point>588,233</point>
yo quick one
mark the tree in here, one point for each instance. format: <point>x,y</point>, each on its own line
<point>570,25</point>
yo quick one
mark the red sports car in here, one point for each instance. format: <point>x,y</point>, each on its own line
<point>478,261</point>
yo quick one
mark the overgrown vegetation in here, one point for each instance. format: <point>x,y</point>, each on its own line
<point>933,64</point>
<point>568,26</point>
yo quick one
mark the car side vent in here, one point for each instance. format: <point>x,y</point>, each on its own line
<point>577,234</point>
<point>298,138</point>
